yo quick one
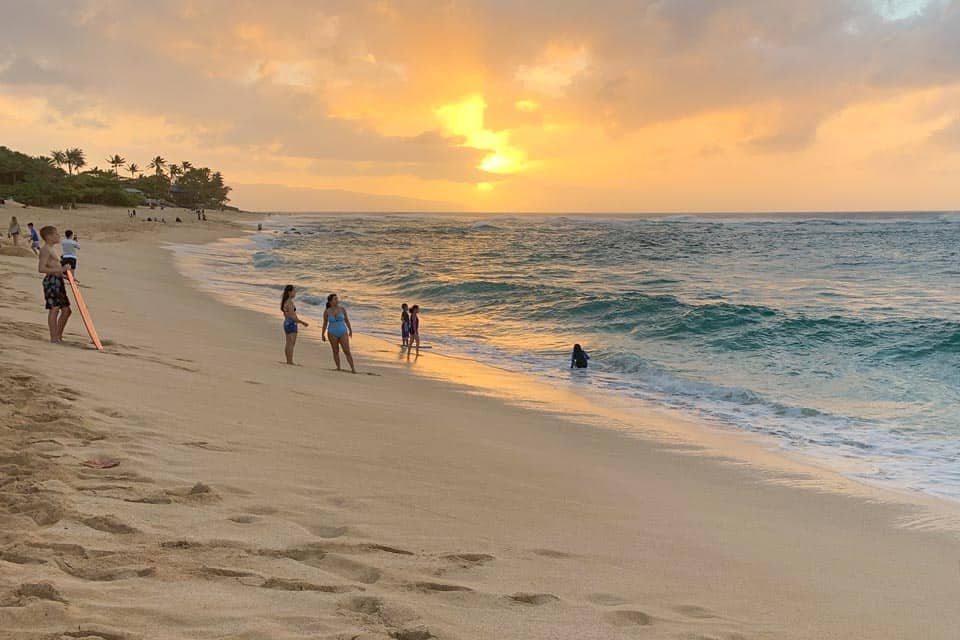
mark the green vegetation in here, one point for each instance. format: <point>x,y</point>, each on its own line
<point>41,181</point>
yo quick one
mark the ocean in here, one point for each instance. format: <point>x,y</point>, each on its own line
<point>837,335</point>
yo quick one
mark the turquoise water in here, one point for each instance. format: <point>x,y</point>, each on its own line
<point>838,335</point>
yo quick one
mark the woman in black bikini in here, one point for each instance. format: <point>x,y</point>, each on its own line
<point>290,321</point>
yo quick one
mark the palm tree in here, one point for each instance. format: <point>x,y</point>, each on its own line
<point>157,164</point>
<point>174,172</point>
<point>117,161</point>
<point>133,168</point>
<point>75,159</point>
<point>59,158</point>
<point>185,166</point>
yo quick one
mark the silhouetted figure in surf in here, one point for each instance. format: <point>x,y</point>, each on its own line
<point>579,359</point>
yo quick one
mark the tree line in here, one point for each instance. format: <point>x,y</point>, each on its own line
<point>42,181</point>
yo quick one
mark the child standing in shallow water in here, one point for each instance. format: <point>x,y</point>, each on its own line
<point>290,321</point>
<point>415,325</point>
<point>404,325</point>
<point>54,290</point>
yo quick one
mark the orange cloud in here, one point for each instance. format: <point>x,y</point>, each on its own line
<point>739,105</point>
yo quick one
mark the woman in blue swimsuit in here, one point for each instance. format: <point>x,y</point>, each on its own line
<point>336,326</point>
<point>290,320</point>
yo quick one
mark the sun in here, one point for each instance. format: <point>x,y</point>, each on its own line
<point>465,118</point>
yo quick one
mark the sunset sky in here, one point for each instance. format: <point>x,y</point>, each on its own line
<point>497,105</point>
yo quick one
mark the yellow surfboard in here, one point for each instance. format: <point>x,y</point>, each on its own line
<point>84,313</point>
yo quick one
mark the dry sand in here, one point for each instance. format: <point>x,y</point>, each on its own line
<point>255,500</point>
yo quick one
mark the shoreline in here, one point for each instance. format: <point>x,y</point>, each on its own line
<point>258,499</point>
<point>535,391</point>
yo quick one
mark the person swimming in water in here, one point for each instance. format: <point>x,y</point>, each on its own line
<point>290,321</point>
<point>579,359</point>
<point>336,326</point>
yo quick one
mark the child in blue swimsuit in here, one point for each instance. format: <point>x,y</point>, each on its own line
<point>290,320</point>
<point>336,326</point>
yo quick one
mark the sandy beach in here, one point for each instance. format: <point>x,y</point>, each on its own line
<point>254,500</point>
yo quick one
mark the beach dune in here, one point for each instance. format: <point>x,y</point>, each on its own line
<point>185,484</point>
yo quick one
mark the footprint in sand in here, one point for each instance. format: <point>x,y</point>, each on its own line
<point>203,444</point>
<point>376,610</point>
<point>283,584</point>
<point>350,569</point>
<point>151,499</point>
<point>198,493</point>
<point>551,553</point>
<point>327,531</point>
<point>469,559</point>
<point>694,611</point>
<point>317,557</point>
<point>109,524</point>
<point>628,618</point>
<point>243,519</point>
<point>220,572</point>
<point>365,605</point>
<point>412,634</point>
<point>606,599</point>
<point>386,549</point>
<point>17,558</point>
<point>25,593</point>
<point>438,587</point>
<point>536,599</point>
<point>95,634</point>
<point>262,510</point>
<point>108,412</point>
<point>43,512</point>
<point>99,573</point>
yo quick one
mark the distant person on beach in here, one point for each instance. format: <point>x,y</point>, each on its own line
<point>34,238</point>
<point>404,325</point>
<point>336,326</point>
<point>414,326</point>
<point>290,320</point>
<point>579,359</point>
<point>54,290</point>
<point>13,230</point>
<point>69,247</point>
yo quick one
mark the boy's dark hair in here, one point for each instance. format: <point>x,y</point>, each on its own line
<point>415,307</point>
<point>29,224</point>
<point>403,306</point>
<point>46,231</point>
<point>68,233</point>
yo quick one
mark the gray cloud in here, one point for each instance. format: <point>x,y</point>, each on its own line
<point>24,71</point>
<point>948,137</point>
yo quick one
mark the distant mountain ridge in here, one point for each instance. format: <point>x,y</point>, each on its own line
<point>275,197</point>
